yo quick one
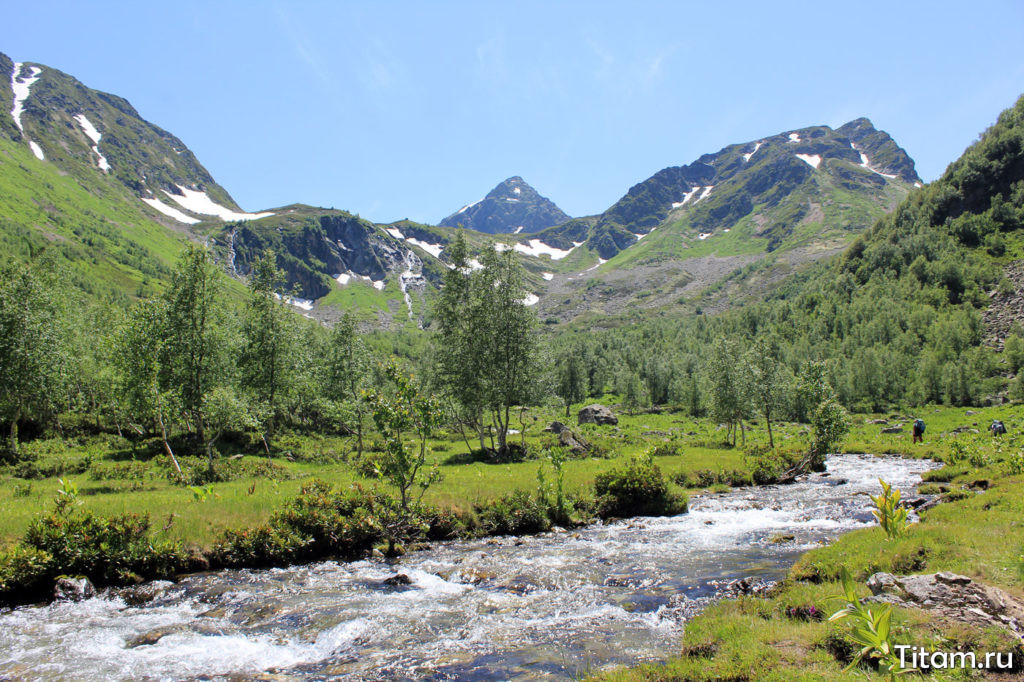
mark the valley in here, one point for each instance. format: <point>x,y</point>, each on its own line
<point>655,442</point>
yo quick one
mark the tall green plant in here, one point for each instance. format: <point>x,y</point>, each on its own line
<point>891,515</point>
<point>871,629</point>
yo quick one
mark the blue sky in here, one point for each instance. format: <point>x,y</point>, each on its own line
<point>412,109</point>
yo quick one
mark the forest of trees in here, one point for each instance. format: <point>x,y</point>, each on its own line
<point>895,321</point>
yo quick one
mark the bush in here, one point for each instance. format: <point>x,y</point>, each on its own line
<point>108,551</point>
<point>516,513</point>
<point>638,489</point>
<point>337,523</point>
<point>264,545</point>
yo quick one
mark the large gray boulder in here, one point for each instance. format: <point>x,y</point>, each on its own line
<point>567,439</point>
<point>597,414</point>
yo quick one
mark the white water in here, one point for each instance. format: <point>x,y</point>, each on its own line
<point>555,605</point>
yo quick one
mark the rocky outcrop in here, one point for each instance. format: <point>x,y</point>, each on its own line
<point>1005,309</point>
<point>597,414</point>
<point>567,439</point>
<point>951,595</point>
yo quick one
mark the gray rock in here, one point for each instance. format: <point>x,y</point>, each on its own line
<point>893,429</point>
<point>73,589</point>
<point>952,595</point>
<point>597,414</point>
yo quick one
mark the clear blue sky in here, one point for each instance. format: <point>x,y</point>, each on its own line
<point>412,109</point>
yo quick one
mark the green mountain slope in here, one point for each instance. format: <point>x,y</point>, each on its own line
<point>919,309</point>
<point>785,199</point>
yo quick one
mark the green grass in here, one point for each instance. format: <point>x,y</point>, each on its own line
<point>232,505</point>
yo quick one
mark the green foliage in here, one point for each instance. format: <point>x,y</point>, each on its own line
<point>267,361</point>
<point>487,350</point>
<point>516,513</point>
<point>829,424</point>
<point>637,489</point>
<point>105,550</point>
<point>890,514</point>
<point>34,350</point>
<point>871,629</point>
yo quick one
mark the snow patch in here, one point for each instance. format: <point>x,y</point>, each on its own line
<point>918,184</point>
<point>378,285</point>
<point>198,202</point>
<point>518,230</point>
<point>866,163</point>
<point>303,303</point>
<point>531,299</point>
<point>502,248</point>
<point>21,90</point>
<point>757,145</point>
<point>704,194</point>
<point>536,248</point>
<point>90,131</point>
<point>517,190</point>
<point>474,264</point>
<point>394,232</point>
<point>686,197</point>
<point>812,160</point>
<point>468,206</point>
<point>343,278</point>
<point>511,199</point>
<point>794,137</point>
<point>600,262</point>
<point>433,249</point>
<point>703,235</point>
<point>548,276</point>
<point>170,212</point>
<point>37,150</point>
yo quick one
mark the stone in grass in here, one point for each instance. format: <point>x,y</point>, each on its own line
<point>597,414</point>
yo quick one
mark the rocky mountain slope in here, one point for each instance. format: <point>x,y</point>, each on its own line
<point>82,171</point>
<point>511,207</point>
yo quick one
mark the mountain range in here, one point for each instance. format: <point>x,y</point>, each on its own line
<point>82,171</point>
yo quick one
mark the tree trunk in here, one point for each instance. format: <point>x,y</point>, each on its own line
<point>359,430</point>
<point>768,421</point>
<point>13,443</point>
<point>567,409</point>
<point>167,446</point>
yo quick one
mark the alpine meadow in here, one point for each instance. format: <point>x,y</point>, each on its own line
<point>758,419</point>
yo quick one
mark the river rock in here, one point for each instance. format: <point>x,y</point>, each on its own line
<point>954,596</point>
<point>136,595</point>
<point>597,414</point>
<point>73,589</point>
<point>396,580</point>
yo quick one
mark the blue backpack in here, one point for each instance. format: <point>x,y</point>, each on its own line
<point>919,425</point>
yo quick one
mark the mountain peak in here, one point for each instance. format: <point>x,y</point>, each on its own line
<point>512,206</point>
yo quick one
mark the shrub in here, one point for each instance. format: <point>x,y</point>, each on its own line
<point>263,545</point>
<point>337,523</point>
<point>516,513</point>
<point>638,489</point>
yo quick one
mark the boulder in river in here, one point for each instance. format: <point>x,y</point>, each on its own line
<point>397,579</point>
<point>73,589</point>
<point>597,414</point>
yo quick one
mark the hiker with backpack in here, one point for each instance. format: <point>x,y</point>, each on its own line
<point>997,428</point>
<point>918,430</point>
